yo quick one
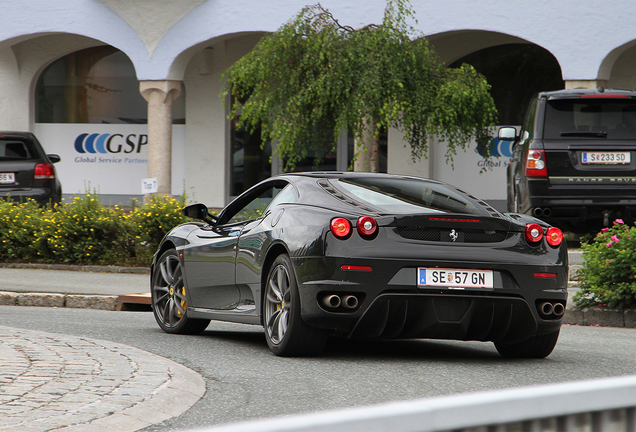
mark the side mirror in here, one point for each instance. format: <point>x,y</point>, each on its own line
<point>199,211</point>
<point>507,134</point>
<point>54,158</point>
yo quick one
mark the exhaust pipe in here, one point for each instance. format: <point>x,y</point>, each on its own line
<point>331,301</point>
<point>547,212</point>
<point>537,212</point>
<point>606,217</point>
<point>559,309</point>
<point>546,308</point>
<point>350,301</point>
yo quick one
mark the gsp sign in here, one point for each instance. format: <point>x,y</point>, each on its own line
<point>110,143</point>
<point>110,158</point>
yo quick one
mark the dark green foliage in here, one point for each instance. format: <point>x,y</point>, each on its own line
<point>314,77</point>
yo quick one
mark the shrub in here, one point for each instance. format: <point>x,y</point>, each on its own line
<point>83,231</point>
<point>18,225</point>
<point>152,221</point>
<point>608,275</point>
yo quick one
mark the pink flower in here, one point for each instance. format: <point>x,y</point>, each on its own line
<point>615,239</point>
<point>605,229</point>
<point>608,245</point>
<point>619,221</point>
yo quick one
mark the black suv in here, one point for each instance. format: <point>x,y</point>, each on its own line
<point>574,161</point>
<point>26,171</point>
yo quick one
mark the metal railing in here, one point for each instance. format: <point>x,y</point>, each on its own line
<point>583,406</point>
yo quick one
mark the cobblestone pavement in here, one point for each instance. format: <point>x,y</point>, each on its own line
<point>50,381</point>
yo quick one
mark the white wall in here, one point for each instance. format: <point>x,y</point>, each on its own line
<point>207,138</point>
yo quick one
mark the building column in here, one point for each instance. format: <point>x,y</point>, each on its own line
<point>160,95</point>
<point>585,84</point>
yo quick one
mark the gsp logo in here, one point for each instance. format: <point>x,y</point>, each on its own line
<point>110,143</point>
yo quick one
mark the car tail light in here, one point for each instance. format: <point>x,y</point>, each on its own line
<point>535,164</point>
<point>340,227</point>
<point>44,171</point>
<point>534,233</point>
<point>366,226</point>
<point>554,236</point>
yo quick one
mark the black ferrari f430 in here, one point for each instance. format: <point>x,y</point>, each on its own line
<point>360,255</point>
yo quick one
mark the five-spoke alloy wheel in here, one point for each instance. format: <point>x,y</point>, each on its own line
<point>169,301</point>
<point>285,331</point>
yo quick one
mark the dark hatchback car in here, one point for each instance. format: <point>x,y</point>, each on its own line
<point>369,256</point>
<point>574,161</point>
<point>26,171</point>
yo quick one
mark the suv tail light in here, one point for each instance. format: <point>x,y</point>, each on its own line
<point>535,164</point>
<point>44,171</point>
<point>534,233</point>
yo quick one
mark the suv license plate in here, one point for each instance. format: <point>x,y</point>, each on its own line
<point>7,178</point>
<point>454,278</point>
<point>606,157</point>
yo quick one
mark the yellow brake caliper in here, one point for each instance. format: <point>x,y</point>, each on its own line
<point>183,302</point>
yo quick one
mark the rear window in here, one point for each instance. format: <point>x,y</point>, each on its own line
<point>407,196</point>
<point>610,118</point>
<point>16,149</point>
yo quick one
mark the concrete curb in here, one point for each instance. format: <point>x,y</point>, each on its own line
<point>101,302</point>
<point>87,268</point>
<point>601,317</point>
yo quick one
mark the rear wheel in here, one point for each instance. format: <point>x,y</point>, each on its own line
<point>285,331</point>
<point>535,347</point>
<point>169,301</point>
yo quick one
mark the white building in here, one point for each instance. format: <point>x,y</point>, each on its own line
<point>126,90</point>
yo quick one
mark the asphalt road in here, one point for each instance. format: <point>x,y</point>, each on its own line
<point>245,381</point>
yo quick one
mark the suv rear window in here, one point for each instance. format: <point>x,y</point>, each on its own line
<point>605,118</point>
<point>16,149</point>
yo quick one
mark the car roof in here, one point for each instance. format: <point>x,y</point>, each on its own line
<point>598,92</point>
<point>15,134</point>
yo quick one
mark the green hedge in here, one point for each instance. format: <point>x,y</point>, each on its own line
<point>84,232</point>
<point>608,275</point>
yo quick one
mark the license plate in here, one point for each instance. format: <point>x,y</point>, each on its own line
<point>606,157</point>
<point>454,278</point>
<point>7,178</point>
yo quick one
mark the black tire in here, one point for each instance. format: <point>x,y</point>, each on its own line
<point>169,299</point>
<point>286,333</point>
<point>535,347</point>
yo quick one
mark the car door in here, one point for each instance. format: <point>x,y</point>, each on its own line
<point>209,260</point>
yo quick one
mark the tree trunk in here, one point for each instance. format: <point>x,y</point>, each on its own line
<point>367,149</point>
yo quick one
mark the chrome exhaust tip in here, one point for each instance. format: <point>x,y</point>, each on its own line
<point>350,301</point>
<point>331,301</point>
<point>537,212</point>
<point>547,212</point>
<point>546,308</point>
<point>559,309</point>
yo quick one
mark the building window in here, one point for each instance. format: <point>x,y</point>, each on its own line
<point>250,163</point>
<point>96,85</point>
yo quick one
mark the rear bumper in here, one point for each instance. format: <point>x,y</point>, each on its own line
<point>578,203</point>
<point>42,196</point>
<point>391,305</point>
